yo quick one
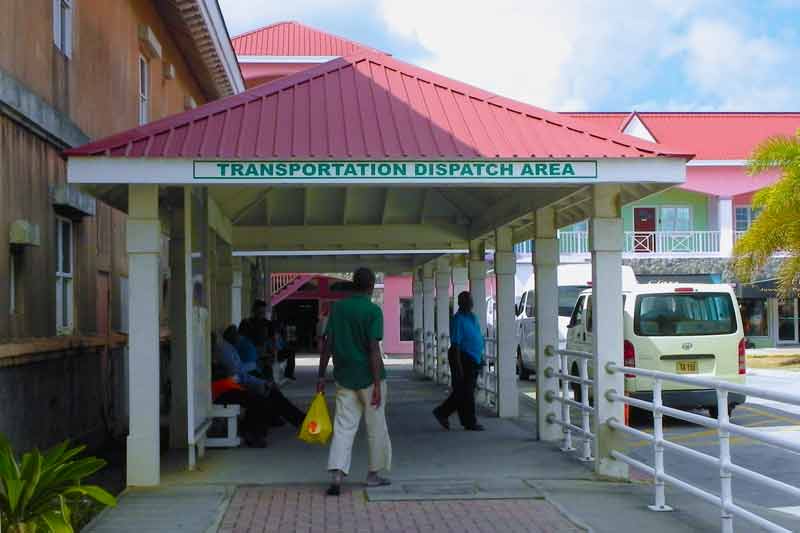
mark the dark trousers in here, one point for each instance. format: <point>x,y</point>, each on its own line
<point>288,356</point>
<point>462,398</point>
<point>261,411</point>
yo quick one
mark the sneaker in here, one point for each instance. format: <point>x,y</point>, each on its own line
<point>334,490</point>
<point>377,481</point>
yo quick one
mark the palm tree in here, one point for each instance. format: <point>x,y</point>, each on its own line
<point>777,228</point>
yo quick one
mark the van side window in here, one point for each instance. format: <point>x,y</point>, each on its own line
<point>529,305</point>
<point>577,313</point>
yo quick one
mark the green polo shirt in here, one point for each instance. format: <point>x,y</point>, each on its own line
<point>353,323</point>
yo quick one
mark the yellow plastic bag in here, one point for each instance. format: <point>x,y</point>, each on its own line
<point>316,427</point>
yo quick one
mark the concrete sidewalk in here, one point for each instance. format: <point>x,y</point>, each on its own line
<point>498,480</point>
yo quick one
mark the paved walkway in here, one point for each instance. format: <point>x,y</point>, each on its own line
<point>500,480</point>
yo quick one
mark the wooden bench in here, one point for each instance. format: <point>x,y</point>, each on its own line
<point>231,415</point>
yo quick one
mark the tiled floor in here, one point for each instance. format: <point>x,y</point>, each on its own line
<point>257,509</point>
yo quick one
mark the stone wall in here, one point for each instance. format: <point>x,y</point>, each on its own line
<point>697,265</point>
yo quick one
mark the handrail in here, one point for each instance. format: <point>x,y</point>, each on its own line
<point>725,428</point>
<point>562,396</point>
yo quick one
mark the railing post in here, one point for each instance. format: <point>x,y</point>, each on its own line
<point>726,492</point>
<point>567,447</point>
<point>586,455</point>
<point>658,450</point>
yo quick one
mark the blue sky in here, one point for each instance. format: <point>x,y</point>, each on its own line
<point>692,55</point>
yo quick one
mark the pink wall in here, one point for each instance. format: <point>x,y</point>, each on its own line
<point>726,181</point>
<point>394,288</point>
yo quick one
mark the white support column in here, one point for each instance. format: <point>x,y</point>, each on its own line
<point>419,332</point>
<point>442,316</point>
<point>237,283</point>
<point>428,318</point>
<point>545,263</point>
<point>605,242</point>
<point>505,266</point>
<point>144,247</point>
<point>725,214</point>
<point>267,287</point>
<point>460,278</point>
<point>477,280</point>
<point>180,318</point>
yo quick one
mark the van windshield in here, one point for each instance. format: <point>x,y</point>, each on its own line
<point>684,314</point>
<point>567,296</point>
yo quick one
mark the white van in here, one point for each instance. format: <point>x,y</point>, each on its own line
<point>572,279</point>
<point>692,329</point>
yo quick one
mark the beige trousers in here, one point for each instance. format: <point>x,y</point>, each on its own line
<point>350,405</point>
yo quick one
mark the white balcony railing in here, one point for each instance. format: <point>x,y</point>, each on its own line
<point>654,243</point>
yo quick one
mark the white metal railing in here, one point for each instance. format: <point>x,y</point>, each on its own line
<point>487,381</point>
<point>429,368</point>
<point>419,352</point>
<point>442,363</point>
<point>280,280</point>
<point>672,242</point>
<point>725,428</point>
<point>562,396</point>
<point>573,242</point>
<point>648,242</point>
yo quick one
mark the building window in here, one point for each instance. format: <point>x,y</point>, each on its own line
<point>754,317</point>
<point>745,216</point>
<point>144,90</point>
<point>675,218</point>
<point>64,276</point>
<point>62,26</point>
<point>406,319</point>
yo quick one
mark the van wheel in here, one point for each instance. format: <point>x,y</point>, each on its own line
<point>713,411</point>
<point>522,372</point>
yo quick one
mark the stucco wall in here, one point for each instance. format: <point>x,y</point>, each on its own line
<point>395,288</point>
<point>674,197</point>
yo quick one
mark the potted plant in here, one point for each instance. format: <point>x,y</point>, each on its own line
<point>38,492</point>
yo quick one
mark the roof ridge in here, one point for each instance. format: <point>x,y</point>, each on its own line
<point>262,28</point>
<point>308,28</point>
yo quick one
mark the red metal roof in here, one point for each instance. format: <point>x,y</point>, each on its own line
<point>708,135</point>
<point>293,39</point>
<point>369,105</point>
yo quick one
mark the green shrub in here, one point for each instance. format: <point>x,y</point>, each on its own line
<point>38,493</point>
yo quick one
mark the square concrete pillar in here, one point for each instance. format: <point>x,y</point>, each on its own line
<point>505,266</point>
<point>237,284</point>
<point>606,242</point>
<point>545,266</point>
<point>442,276</point>
<point>428,319</point>
<point>477,280</point>
<point>144,248</point>
<point>419,338</point>
<point>460,278</point>
<point>180,318</point>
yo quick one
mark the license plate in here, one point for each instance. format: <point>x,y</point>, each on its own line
<point>686,367</point>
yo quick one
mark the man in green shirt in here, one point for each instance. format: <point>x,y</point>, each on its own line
<point>355,328</point>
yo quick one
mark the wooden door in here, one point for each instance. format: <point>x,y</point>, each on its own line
<point>644,229</point>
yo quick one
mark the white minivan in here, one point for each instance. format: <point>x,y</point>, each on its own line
<point>572,279</point>
<point>692,329</point>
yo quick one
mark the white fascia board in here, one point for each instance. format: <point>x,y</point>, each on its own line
<point>717,163</point>
<point>212,15</point>
<point>285,59</point>
<point>122,170</point>
<point>642,170</point>
<point>305,253</point>
<point>167,171</point>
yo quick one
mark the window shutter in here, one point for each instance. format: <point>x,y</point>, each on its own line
<point>57,23</point>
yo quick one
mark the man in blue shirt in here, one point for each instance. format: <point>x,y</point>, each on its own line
<point>466,358</point>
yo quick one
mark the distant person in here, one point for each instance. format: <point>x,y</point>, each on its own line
<point>322,323</point>
<point>282,350</point>
<point>465,357</point>
<point>279,406</point>
<point>354,329</point>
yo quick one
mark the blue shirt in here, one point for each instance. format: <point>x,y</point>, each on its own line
<point>248,354</point>
<point>232,363</point>
<point>465,333</point>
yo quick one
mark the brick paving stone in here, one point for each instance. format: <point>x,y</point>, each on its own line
<point>305,509</point>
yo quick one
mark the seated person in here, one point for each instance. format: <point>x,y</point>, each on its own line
<point>248,352</point>
<point>278,350</point>
<point>273,404</point>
